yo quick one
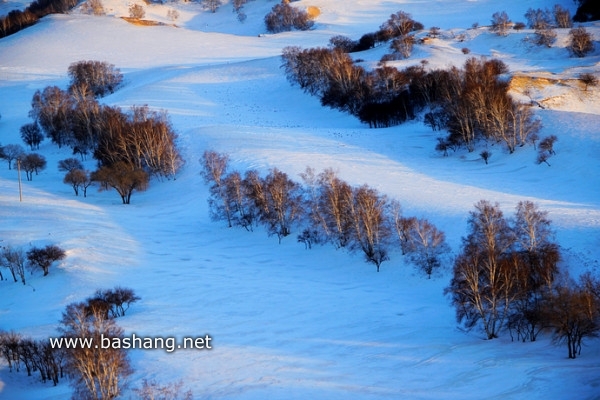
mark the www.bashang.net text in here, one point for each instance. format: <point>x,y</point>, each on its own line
<point>169,344</point>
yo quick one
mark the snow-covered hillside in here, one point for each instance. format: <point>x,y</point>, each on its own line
<point>290,323</point>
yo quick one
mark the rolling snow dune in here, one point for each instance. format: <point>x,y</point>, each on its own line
<point>290,323</point>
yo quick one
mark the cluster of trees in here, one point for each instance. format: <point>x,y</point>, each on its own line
<point>325,209</point>
<point>380,97</point>
<point>130,147</point>
<point>507,277</point>
<point>16,20</point>
<point>29,162</point>
<point>471,103</point>
<point>544,23</point>
<point>16,260</point>
<point>284,17</point>
<point>95,373</point>
<point>19,351</point>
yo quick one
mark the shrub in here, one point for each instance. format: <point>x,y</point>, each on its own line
<point>44,257</point>
<point>519,26</point>
<point>136,11</point>
<point>580,42</point>
<point>100,77</point>
<point>500,23</point>
<point>283,17</point>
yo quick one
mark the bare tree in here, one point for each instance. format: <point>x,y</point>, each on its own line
<point>536,264</point>
<point>538,18</point>
<point>69,164</point>
<point>214,171</point>
<point>78,179</point>
<point>428,246</point>
<point>403,45</point>
<point>588,79</point>
<point>142,139</point>
<point>31,163</point>
<point>32,135</point>
<point>94,7</point>
<point>544,37</point>
<point>123,178</point>
<point>399,24</point>
<point>482,287</point>
<point>14,259</point>
<point>500,23</point>
<point>242,211</point>
<point>118,300</point>
<point>574,314</point>
<point>152,390</point>
<point>335,208</point>
<point>546,149</point>
<point>100,77</point>
<point>485,155</point>
<point>9,347</point>
<point>12,152</point>
<point>580,42</point>
<point>370,223</point>
<point>524,125</point>
<point>283,17</point>
<point>562,17</point>
<point>283,203</point>
<point>342,42</point>
<point>51,108</point>
<point>44,257</point>
<point>212,5</point>
<point>96,373</point>
<point>136,11</point>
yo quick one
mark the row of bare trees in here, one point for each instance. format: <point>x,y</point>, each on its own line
<point>507,277</point>
<point>324,209</point>
<point>34,355</point>
<point>29,162</point>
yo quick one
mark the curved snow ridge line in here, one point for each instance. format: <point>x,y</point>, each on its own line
<point>293,151</point>
<point>75,225</point>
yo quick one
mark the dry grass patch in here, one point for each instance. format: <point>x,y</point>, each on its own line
<point>145,22</point>
<point>313,12</point>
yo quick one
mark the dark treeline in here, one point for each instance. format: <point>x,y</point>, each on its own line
<point>16,20</point>
<point>471,103</point>
<point>588,10</point>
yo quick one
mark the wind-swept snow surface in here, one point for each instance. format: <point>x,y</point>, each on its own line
<point>290,323</point>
